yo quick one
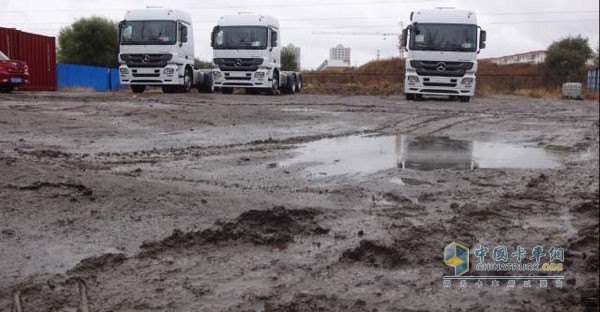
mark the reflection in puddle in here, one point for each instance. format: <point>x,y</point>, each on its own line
<point>364,154</point>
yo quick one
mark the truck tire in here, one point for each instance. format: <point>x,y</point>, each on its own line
<point>299,84</point>
<point>410,96</point>
<point>6,89</point>
<point>138,88</point>
<point>274,89</point>
<point>464,98</point>
<point>290,86</point>
<point>188,80</point>
<point>226,90</point>
<point>207,85</point>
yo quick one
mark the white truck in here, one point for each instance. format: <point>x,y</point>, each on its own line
<point>247,54</point>
<point>156,48</point>
<point>442,45</point>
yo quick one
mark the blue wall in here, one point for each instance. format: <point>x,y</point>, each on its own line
<point>89,77</point>
<point>592,80</point>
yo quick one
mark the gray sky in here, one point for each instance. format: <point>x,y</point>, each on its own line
<point>513,26</point>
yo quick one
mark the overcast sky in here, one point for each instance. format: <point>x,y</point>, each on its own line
<point>513,26</point>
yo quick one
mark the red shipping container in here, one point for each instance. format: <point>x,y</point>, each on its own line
<point>38,51</point>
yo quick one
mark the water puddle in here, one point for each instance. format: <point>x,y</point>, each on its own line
<point>369,154</point>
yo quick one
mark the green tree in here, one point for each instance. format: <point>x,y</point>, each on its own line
<point>288,60</point>
<point>89,41</point>
<point>200,64</point>
<point>596,57</point>
<point>567,57</point>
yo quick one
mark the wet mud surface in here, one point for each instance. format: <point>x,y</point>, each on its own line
<point>194,202</point>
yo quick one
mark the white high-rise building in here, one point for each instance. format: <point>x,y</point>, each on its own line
<point>340,53</point>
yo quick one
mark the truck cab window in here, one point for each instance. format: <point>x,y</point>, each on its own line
<point>184,33</point>
<point>240,37</point>
<point>444,37</point>
<point>274,39</point>
<point>148,32</point>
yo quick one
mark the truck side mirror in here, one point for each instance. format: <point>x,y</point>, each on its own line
<point>404,40</point>
<point>482,39</point>
<point>214,35</point>
<point>273,39</point>
<point>121,25</point>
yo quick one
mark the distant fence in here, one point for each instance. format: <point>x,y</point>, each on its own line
<point>71,76</point>
<point>503,83</point>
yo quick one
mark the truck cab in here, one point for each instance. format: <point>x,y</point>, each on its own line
<point>443,45</point>
<point>247,54</point>
<point>156,48</point>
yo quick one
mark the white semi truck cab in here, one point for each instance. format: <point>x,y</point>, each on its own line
<point>247,54</point>
<point>156,48</point>
<point>442,46</point>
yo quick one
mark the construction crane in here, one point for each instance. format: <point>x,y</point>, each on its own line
<point>364,33</point>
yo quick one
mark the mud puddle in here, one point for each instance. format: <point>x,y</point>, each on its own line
<point>356,155</point>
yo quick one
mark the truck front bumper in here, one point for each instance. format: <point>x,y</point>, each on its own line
<point>241,79</point>
<point>172,74</point>
<point>435,85</point>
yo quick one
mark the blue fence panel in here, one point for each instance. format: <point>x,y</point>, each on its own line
<point>88,77</point>
<point>592,80</point>
<point>115,81</point>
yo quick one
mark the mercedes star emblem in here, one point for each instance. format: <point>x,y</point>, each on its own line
<point>441,67</point>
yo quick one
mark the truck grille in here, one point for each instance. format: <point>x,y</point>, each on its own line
<point>238,64</point>
<point>146,75</point>
<point>439,84</point>
<point>146,60</point>
<point>442,69</point>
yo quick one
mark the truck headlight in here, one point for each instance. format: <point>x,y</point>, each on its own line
<point>467,81</point>
<point>124,71</point>
<point>217,74</point>
<point>413,79</point>
<point>259,75</point>
<point>169,71</point>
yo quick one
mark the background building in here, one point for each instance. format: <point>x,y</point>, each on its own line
<point>533,57</point>
<point>340,53</point>
<point>339,59</point>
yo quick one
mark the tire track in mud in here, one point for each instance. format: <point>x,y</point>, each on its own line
<point>277,228</point>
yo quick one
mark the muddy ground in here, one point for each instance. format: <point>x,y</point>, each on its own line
<point>192,202</point>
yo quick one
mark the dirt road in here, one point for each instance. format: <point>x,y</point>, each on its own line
<point>193,202</point>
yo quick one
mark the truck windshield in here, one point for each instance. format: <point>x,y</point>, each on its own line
<point>443,37</point>
<point>240,37</point>
<point>3,57</point>
<point>148,32</point>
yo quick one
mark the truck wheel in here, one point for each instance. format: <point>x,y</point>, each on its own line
<point>6,89</point>
<point>187,81</point>
<point>464,98</point>
<point>274,90</point>
<point>299,84</point>
<point>138,88</point>
<point>226,90</point>
<point>410,96</point>
<point>290,86</point>
<point>207,84</point>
